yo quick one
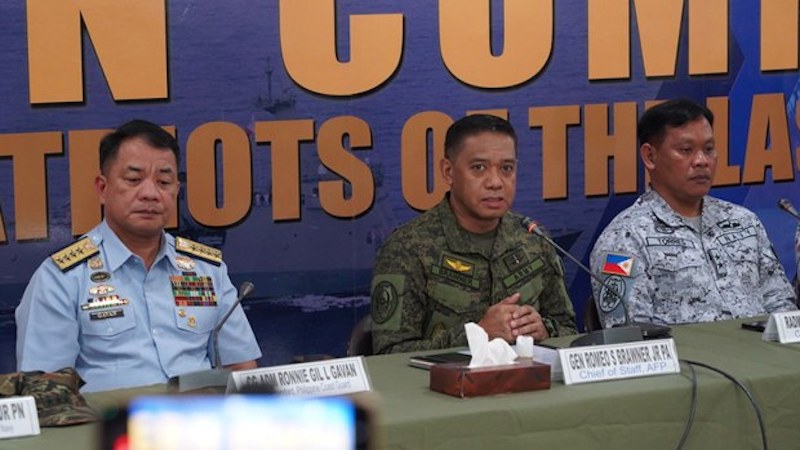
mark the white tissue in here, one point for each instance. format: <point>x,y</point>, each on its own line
<point>485,353</point>
<point>525,346</point>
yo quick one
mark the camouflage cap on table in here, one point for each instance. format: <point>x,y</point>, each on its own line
<point>58,400</point>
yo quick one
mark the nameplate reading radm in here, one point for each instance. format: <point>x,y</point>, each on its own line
<point>319,378</point>
<point>617,361</point>
<point>783,327</point>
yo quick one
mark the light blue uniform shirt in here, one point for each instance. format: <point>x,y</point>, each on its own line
<point>144,337</point>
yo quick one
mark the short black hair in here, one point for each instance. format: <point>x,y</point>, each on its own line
<point>671,114</point>
<point>474,124</point>
<point>153,134</point>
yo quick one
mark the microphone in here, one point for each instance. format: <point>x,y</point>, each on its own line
<point>215,378</point>
<point>245,289</point>
<point>533,228</point>
<point>787,206</point>
<point>629,331</point>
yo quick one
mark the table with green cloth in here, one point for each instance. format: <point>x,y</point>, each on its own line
<point>638,413</point>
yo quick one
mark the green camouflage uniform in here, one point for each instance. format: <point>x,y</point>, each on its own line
<point>58,401</point>
<point>430,280</point>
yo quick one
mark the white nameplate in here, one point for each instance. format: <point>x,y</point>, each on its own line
<point>783,327</point>
<point>616,361</point>
<point>549,356</point>
<point>318,378</point>
<point>18,417</point>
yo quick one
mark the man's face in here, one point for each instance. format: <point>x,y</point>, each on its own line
<point>483,179</point>
<point>683,165</point>
<point>139,190</point>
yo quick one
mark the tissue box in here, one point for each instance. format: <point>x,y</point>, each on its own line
<point>459,380</point>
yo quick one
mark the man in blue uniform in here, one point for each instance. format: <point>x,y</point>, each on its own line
<point>128,304</point>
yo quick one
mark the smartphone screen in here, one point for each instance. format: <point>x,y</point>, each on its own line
<point>233,422</point>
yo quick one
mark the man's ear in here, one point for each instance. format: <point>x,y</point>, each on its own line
<point>648,154</point>
<point>446,167</point>
<point>100,186</point>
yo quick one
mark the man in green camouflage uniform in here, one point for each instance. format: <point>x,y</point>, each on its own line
<point>468,259</point>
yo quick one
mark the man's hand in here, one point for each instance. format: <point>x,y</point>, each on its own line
<point>245,365</point>
<point>497,319</point>
<point>506,319</point>
<point>526,321</point>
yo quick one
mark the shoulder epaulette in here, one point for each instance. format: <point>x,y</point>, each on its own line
<point>204,252</point>
<point>71,255</point>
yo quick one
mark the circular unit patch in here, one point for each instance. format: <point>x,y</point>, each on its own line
<point>608,301</point>
<point>384,302</point>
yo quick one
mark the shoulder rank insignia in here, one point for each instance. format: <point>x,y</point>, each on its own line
<point>71,255</point>
<point>210,254</point>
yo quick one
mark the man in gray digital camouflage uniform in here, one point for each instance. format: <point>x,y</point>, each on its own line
<point>678,255</point>
<point>797,261</point>
<point>468,259</point>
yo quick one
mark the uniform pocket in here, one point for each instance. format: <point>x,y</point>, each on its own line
<point>675,268</point>
<point>108,321</point>
<point>199,320</point>
<point>678,274</point>
<point>451,306</point>
<point>530,292</point>
<point>451,298</point>
<point>745,260</point>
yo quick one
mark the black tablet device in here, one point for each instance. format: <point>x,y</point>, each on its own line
<point>426,361</point>
<point>755,325</point>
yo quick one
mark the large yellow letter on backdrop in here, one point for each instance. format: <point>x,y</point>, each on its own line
<point>465,38</point>
<point>129,36</point>
<point>228,143</point>
<point>659,25</point>
<point>308,43</point>
<point>28,151</point>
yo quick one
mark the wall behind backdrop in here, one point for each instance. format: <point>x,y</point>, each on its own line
<point>311,129</point>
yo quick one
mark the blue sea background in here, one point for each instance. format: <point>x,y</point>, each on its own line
<point>312,275</point>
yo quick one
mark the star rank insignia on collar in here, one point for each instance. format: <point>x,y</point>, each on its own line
<point>204,252</point>
<point>69,256</point>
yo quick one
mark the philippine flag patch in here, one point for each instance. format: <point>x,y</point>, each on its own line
<point>618,265</point>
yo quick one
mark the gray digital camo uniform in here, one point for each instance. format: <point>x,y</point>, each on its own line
<point>797,263</point>
<point>726,269</point>
<point>430,280</point>
<point>797,250</point>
